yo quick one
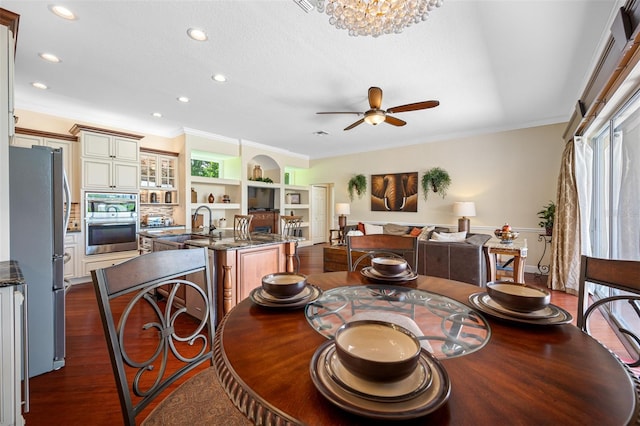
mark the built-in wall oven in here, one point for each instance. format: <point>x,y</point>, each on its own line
<point>111,222</point>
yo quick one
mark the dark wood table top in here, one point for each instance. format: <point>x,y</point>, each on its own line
<point>525,374</point>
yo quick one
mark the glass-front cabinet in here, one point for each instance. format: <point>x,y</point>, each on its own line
<point>158,178</point>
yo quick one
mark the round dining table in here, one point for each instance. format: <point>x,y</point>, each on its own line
<point>524,374</point>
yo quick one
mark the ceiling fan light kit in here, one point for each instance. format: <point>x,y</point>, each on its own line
<point>376,115</point>
<point>374,17</point>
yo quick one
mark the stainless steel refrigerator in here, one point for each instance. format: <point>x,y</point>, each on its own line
<point>38,195</point>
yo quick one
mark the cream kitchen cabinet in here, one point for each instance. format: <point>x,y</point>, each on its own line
<point>110,159</point>
<point>71,251</point>
<point>27,138</point>
<point>109,175</point>
<point>159,176</point>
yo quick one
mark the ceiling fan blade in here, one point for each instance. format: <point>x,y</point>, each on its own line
<point>414,106</point>
<point>339,112</point>
<point>394,121</point>
<point>375,97</point>
<point>355,124</point>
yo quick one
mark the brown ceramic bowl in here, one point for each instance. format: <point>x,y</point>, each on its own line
<point>377,350</point>
<point>518,297</point>
<point>284,284</point>
<point>390,266</point>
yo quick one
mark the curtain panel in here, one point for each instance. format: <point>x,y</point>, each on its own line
<point>565,242</point>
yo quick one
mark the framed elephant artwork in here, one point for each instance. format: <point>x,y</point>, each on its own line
<point>397,192</point>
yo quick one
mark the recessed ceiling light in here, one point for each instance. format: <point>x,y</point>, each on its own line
<point>39,85</point>
<point>183,99</point>
<point>197,34</point>
<point>156,114</point>
<point>219,78</point>
<point>49,57</point>
<point>62,12</point>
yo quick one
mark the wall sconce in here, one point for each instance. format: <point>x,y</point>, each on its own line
<point>465,209</point>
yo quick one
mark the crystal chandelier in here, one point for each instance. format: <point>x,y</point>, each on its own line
<point>376,17</point>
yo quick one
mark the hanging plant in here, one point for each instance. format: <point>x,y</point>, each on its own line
<point>436,180</point>
<point>358,185</point>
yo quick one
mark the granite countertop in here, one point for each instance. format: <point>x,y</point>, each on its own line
<point>10,273</point>
<point>219,239</point>
<point>224,240</point>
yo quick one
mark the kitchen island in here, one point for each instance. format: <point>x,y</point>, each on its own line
<point>237,264</point>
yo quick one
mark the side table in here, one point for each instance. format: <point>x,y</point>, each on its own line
<point>543,269</point>
<point>516,249</point>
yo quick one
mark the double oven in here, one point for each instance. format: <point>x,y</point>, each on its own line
<point>111,222</point>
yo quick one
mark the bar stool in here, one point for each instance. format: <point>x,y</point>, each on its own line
<point>291,229</point>
<point>242,225</point>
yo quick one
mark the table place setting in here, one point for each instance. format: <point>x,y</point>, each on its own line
<point>284,290</point>
<point>389,270</point>
<point>519,303</point>
<point>379,370</point>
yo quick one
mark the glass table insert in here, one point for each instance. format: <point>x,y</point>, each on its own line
<point>445,327</point>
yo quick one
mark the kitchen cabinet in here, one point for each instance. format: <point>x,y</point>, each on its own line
<point>71,250</point>
<point>11,355</point>
<point>110,160</point>
<point>159,176</point>
<point>69,144</point>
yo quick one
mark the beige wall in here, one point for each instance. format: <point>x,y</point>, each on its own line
<point>509,175</point>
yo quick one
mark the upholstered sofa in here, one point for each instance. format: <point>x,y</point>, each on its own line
<point>455,260</point>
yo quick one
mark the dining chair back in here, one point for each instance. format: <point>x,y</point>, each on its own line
<point>290,228</point>
<point>621,279</point>
<point>380,244</point>
<point>153,342</point>
<point>242,225</point>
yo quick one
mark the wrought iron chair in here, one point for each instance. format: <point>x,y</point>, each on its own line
<point>377,244</point>
<point>242,226</point>
<point>153,343</point>
<point>622,280</point>
<point>291,229</point>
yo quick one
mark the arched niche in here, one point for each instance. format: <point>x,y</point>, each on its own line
<point>270,167</point>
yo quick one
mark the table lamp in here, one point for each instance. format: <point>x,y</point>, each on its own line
<point>342,210</point>
<point>465,209</point>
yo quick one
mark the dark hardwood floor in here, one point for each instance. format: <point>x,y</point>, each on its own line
<point>84,391</point>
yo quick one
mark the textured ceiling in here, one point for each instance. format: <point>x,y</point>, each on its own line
<point>493,65</point>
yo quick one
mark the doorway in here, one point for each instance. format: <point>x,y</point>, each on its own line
<point>320,213</point>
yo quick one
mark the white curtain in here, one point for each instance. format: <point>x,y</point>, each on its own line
<point>584,182</point>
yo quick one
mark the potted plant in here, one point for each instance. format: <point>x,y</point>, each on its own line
<point>358,185</point>
<point>547,214</point>
<point>437,180</point>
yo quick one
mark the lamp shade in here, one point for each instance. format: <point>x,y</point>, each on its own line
<point>343,208</point>
<point>464,208</point>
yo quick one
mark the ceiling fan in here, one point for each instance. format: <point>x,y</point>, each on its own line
<point>375,115</point>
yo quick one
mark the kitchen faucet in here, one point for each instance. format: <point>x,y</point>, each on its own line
<point>195,216</point>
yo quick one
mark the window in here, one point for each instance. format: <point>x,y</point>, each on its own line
<point>614,219</point>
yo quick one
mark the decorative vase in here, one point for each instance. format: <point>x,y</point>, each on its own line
<point>286,178</point>
<point>194,196</point>
<point>211,198</point>
<point>257,172</point>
